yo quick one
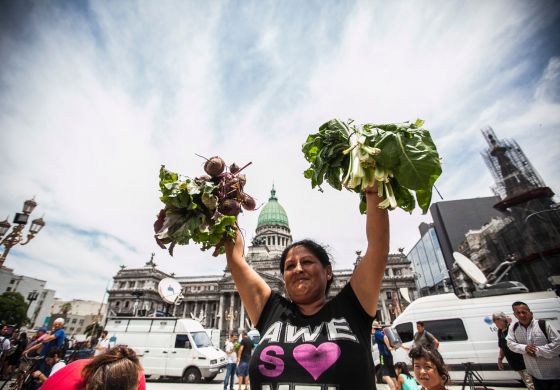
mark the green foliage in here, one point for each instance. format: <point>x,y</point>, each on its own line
<point>65,308</point>
<point>13,309</point>
<point>191,213</point>
<point>94,330</point>
<point>399,157</point>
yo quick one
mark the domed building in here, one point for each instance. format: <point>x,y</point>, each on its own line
<point>213,299</point>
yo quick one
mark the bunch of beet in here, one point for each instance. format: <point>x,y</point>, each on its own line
<point>203,209</point>
<point>230,182</point>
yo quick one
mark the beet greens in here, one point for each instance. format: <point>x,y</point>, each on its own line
<point>203,209</point>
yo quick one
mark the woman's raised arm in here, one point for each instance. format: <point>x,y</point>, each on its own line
<point>368,275</point>
<point>253,290</point>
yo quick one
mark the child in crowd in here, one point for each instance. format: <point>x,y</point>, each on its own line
<point>429,368</point>
<point>405,381</point>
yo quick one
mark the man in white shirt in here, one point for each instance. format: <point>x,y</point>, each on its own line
<point>52,359</point>
<point>539,343</point>
<point>231,359</point>
<point>102,344</point>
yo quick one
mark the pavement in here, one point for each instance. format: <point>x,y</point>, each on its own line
<point>217,384</point>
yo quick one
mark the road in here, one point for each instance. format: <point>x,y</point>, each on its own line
<point>217,384</point>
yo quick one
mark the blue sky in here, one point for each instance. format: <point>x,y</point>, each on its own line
<point>94,96</point>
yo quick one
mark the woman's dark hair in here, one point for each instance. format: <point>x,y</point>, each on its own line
<point>116,369</point>
<point>432,355</point>
<point>404,368</point>
<point>54,352</point>
<point>318,251</point>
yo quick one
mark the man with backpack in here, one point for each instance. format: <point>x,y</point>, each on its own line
<point>425,338</point>
<point>539,343</point>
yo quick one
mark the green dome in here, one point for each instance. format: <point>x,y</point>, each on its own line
<point>272,213</point>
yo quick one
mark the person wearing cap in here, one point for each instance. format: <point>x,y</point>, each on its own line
<point>385,356</point>
<point>53,340</point>
<point>37,340</point>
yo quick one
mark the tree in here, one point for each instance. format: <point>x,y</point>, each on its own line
<point>94,330</point>
<point>13,309</point>
<point>66,308</point>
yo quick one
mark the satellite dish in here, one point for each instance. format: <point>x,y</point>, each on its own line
<point>404,294</point>
<point>470,268</point>
<point>170,291</point>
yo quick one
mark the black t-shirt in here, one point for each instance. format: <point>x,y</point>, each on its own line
<point>515,360</point>
<point>247,345</point>
<point>330,349</point>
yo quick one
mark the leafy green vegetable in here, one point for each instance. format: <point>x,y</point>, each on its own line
<point>192,213</point>
<point>399,157</point>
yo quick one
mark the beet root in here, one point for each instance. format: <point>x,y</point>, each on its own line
<point>230,207</point>
<point>248,202</point>
<point>214,166</point>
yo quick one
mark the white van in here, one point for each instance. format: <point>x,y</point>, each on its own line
<point>171,347</point>
<point>465,329</point>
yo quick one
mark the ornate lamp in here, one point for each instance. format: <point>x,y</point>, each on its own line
<point>16,235</point>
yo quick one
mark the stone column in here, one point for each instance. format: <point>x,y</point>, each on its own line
<point>384,308</point>
<point>221,313</point>
<point>231,311</point>
<point>185,309</point>
<point>208,319</point>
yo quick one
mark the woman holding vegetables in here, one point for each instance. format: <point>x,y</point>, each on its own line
<point>306,339</point>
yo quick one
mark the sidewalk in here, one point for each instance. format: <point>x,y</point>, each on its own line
<point>217,384</point>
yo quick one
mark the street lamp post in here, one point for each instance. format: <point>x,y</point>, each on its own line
<point>16,235</point>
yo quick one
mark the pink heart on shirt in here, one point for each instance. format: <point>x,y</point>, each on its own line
<point>316,360</point>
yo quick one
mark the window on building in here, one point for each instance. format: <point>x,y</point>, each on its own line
<point>405,331</point>
<point>398,272</point>
<point>121,284</point>
<point>389,294</point>
<point>140,284</point>
<point>12,281</point>
<point>71,329</point>
<point>8,289</point>
<point>126,304</point>
<point>81,322</point>
<point>131,284</point>
<point>74,320</point>
<point>447,330</point>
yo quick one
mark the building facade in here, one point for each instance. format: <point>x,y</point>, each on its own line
<point>38,311</point>
<point>78,314</point>
<point>429,266</point>
<point>214,301</point>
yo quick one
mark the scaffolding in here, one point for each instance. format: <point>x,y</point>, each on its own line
<point>513,173</point>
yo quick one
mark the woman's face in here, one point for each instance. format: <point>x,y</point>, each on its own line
<point>305,276</point>
<point>427,374</point>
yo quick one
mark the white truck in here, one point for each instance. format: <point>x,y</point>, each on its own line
<point>465,329</point>
<point>169,347</point>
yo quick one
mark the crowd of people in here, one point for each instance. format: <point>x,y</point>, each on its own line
<point>238,357</point>
<point>115,368</point>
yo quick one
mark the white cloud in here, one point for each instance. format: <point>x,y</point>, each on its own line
<point>93,102</point>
